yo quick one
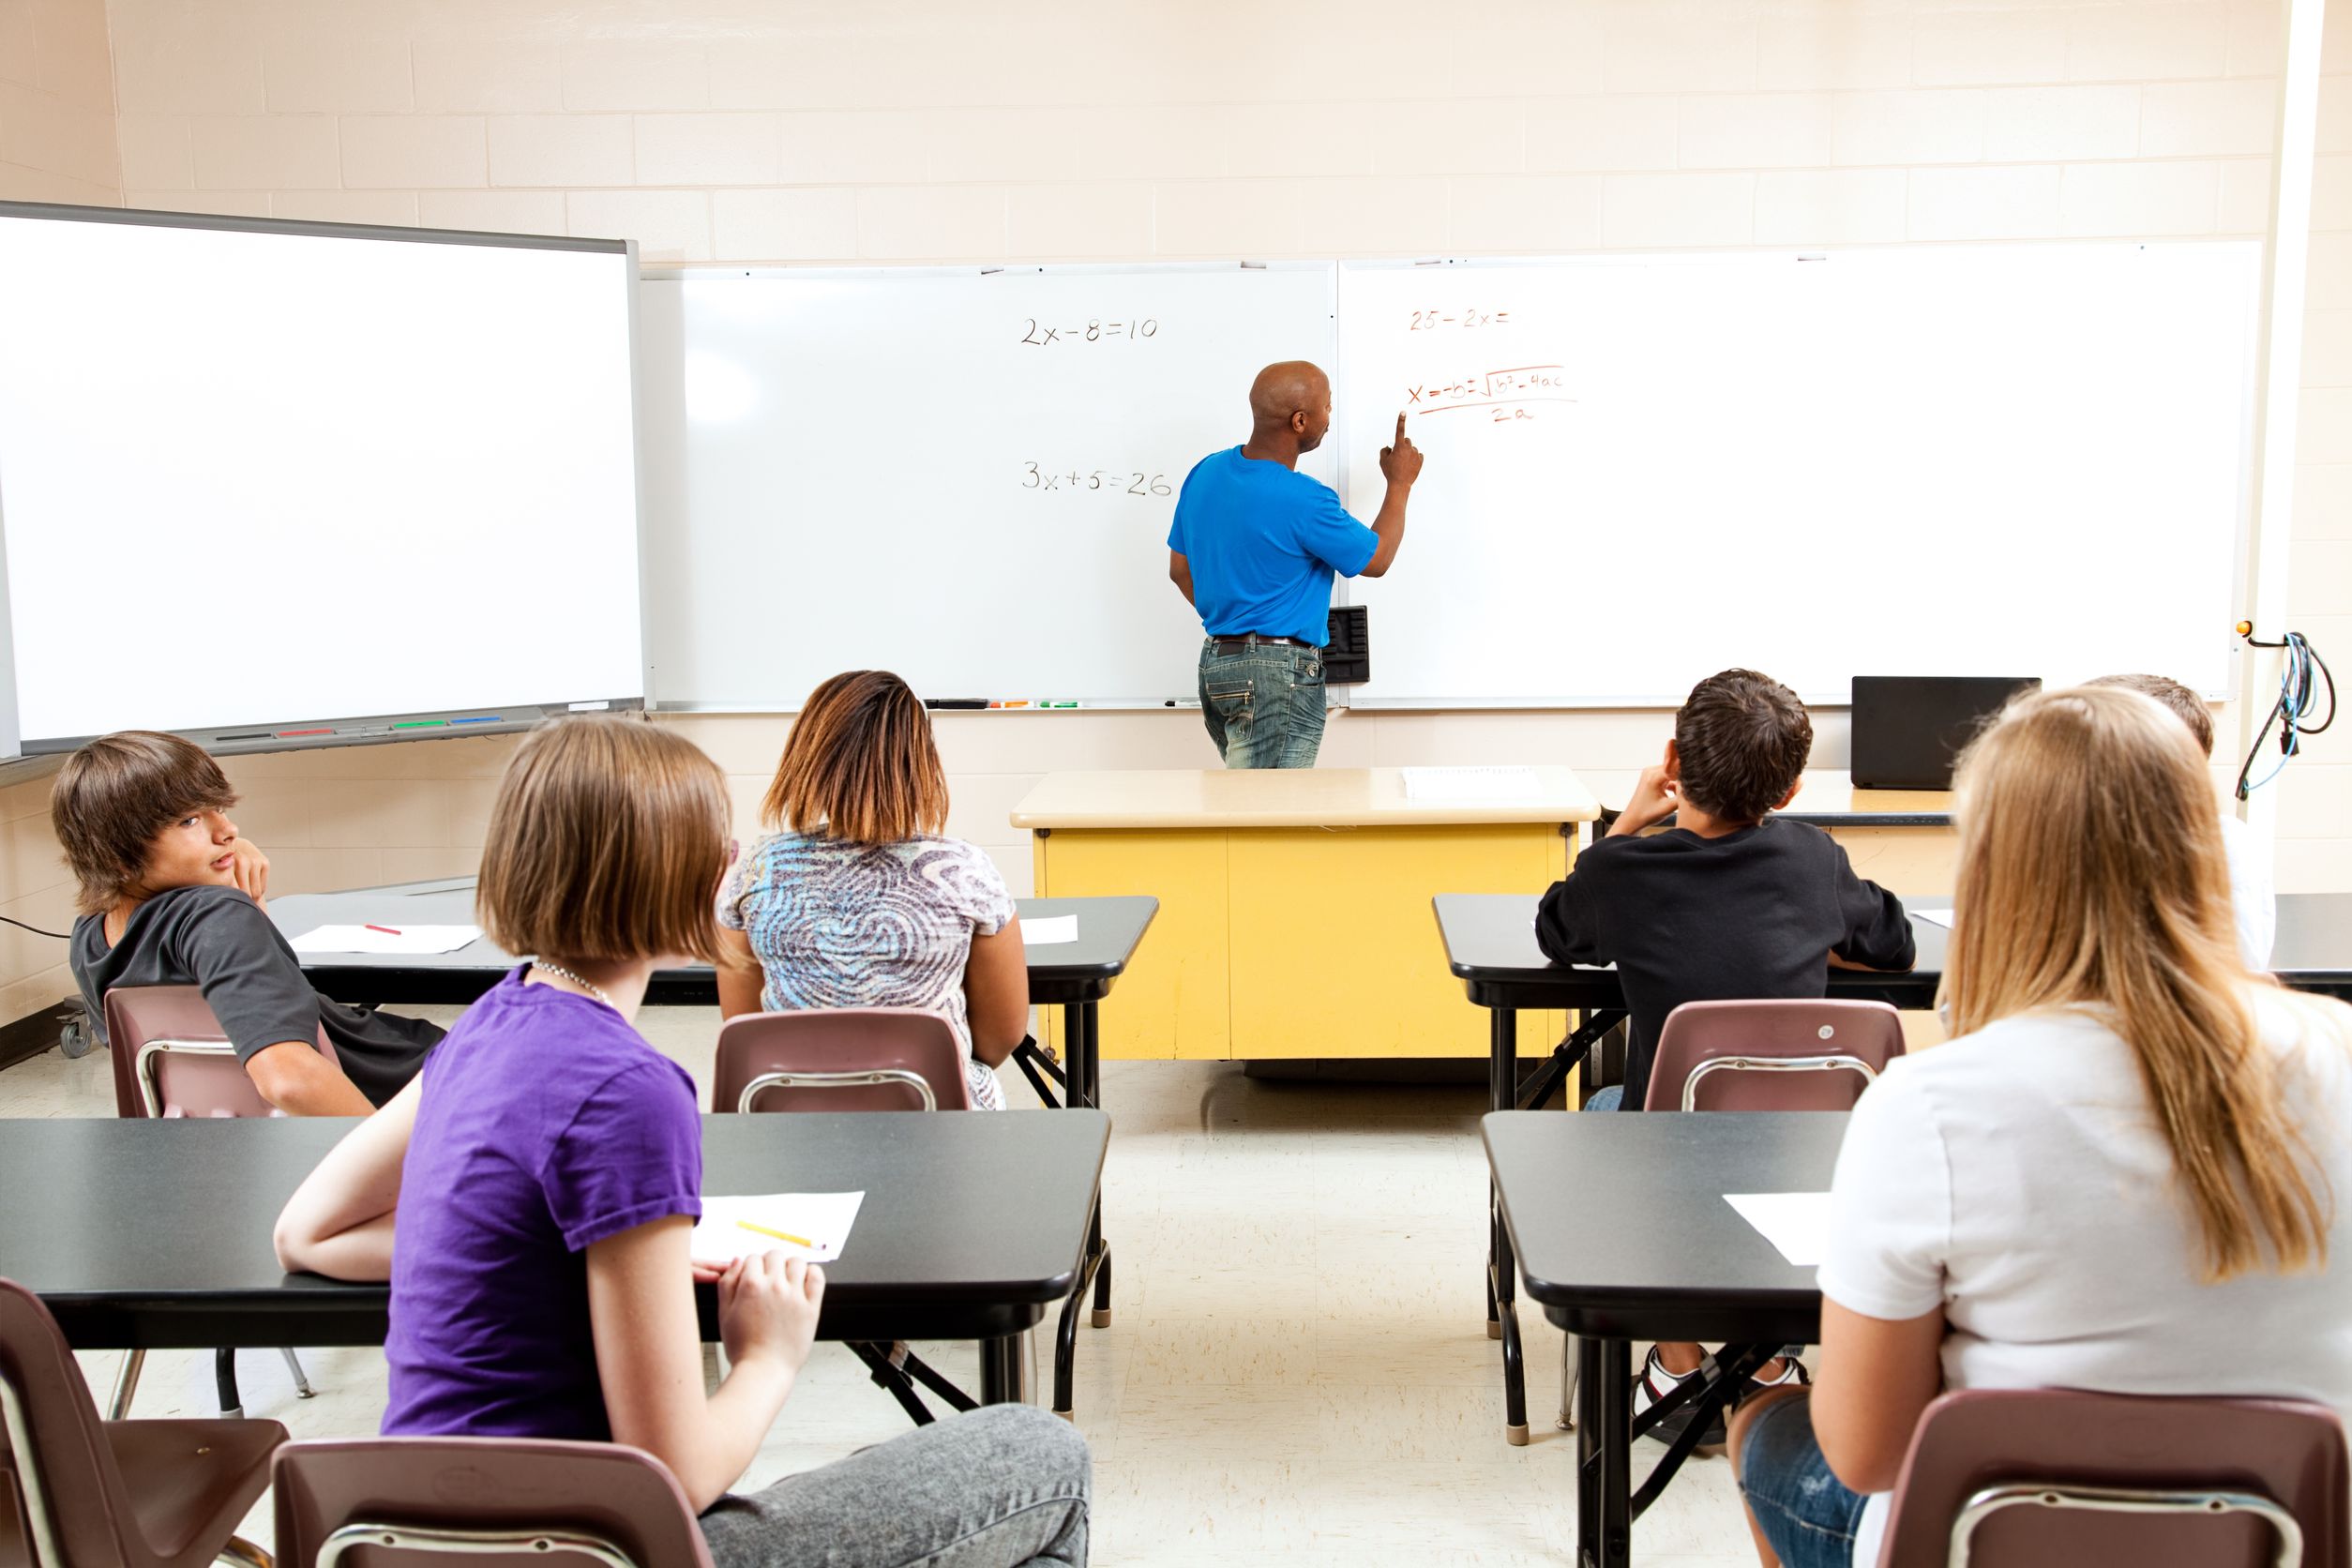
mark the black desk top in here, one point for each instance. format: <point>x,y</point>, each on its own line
<point>1491,946</point>
<point>1082,971</point>
<point>157,1234</point>
<point>1622,1233</point>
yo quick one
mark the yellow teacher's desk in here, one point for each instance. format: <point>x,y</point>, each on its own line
<point>1295,903</point>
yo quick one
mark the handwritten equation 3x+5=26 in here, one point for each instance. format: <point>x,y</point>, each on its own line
<point>1094,331</point>
<point>1120,481</point>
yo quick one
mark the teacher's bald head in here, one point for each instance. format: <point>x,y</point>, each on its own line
<point>1292,397</point>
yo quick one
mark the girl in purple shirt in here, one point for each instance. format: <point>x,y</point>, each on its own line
<point>543,1175</point>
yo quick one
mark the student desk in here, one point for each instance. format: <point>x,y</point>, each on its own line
<point>156,1234</point>
<point>1896,837</point>
<point>1292,900</point>
<point>1490,948</point>
<point>1073,976</point>
<point>1621,1226</point>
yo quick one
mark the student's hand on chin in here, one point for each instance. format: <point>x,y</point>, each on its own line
<point>250,867</point>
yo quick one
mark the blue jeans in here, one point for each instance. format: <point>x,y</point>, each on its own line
<point>1804,1511</point>
<point>1003,1486</point>
<point>1608,1097</point>
<point>1263,705</point>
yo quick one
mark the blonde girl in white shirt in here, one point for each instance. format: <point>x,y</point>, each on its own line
<point>2132,1152</point>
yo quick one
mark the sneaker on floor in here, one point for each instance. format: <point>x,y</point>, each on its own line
<point>1651,1387</point>
<point>1792,1374</point>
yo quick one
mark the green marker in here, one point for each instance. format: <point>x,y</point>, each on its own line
<point>422,724</point>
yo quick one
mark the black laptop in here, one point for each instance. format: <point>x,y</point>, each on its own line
<point>1908,730</point>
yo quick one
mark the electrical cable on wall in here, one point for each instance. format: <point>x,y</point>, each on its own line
<point>2302,677</point>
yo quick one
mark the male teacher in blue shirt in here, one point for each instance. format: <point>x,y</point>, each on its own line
<point>1253,548</point>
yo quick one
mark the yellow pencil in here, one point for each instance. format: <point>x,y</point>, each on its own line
<point>779,1235</point>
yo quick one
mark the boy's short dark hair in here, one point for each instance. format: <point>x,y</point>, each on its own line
<point>1743,738</point>
<point>115,795</point>
<point>2172,694</point>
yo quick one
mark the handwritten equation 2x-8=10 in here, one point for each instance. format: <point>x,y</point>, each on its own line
<point>1095,330</point>
<point>1120,481</point>
<point>1507,393</point>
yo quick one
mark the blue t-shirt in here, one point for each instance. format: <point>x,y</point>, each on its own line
<point>547,1125</point>
<point>1263,541</point>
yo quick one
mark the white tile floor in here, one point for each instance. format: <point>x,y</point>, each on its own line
<point>1297,1371</point>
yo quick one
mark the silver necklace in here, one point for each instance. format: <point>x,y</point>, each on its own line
<point>562,973</point>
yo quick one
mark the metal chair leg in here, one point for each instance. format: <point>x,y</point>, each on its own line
<point>293,1364</point>
<point>224,1379</point>
<point>240,1553</point>
<point>1567,1422</point>
<point>126,1386</point>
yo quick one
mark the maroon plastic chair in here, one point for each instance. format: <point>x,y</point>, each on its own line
<point>839,1059</point>
<point>472,1502</point>
<point>172,1059</point>
<point>1817,1055</point>
<point>77,1492</point>
<point>850,1059</point>
<point>2056,1479</point>
<point>1781,1055</point>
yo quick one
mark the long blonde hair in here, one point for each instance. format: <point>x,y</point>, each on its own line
<point>2092,873</point>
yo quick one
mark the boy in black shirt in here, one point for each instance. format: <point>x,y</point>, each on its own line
<point>1730,903</point>
<point>172,895</point>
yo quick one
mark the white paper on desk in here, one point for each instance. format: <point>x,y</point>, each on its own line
<point>823,1219</point>
<point>397,939</point>
<point>1797,1223</point>
<point>1049,930</point>
<point>1472,786</point>
<point>1934,917</point>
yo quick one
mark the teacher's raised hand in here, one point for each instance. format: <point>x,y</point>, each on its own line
<point>1400,465</point>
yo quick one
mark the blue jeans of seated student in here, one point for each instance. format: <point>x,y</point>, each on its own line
<point>1804,1511</point>
<point>1003,1486</point>
<point>1263,705</point>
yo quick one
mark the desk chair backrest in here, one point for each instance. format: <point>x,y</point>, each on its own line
<point>839,1059</point>
<point>2058,1477</point>
<point>1816,1055</point>
<point>479,1502</point>
<point>64,1503</point>
<point>172,1057</point>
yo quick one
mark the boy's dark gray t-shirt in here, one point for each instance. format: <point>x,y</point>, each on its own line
<point>216,939</point>
<point>1749,916</point>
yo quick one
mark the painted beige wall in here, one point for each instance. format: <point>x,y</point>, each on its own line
<point>918,131</point>
<point>57,103</point>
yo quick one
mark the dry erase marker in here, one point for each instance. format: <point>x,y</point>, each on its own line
<point>388,930</point>
<point>779,1235</point>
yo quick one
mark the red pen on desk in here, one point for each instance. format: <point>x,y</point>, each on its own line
<point>386,929</point>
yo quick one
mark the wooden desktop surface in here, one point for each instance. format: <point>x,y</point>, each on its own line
<point>1282,797</point>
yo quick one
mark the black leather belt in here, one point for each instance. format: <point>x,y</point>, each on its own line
<point>1254,641</point>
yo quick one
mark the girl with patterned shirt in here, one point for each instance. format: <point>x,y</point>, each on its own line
<point>856,900</point>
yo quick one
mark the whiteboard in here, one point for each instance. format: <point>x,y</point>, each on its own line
<point>2014,460</point>
<point>255,473</point>
<point>963,476</point>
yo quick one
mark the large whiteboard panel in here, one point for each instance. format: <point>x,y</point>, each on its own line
<point>2015,460</point>
<point>259,474</point>
<point>965,477</point>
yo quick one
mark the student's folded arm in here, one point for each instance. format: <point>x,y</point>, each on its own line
<point>740,980</point>
<point>1565,926</point>
<point>996,992</point>
<point>1877,928</point>
<point>338,1222</point>
<point>292,1076</point>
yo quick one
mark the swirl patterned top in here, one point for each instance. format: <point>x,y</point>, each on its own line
<point>836,923</point>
